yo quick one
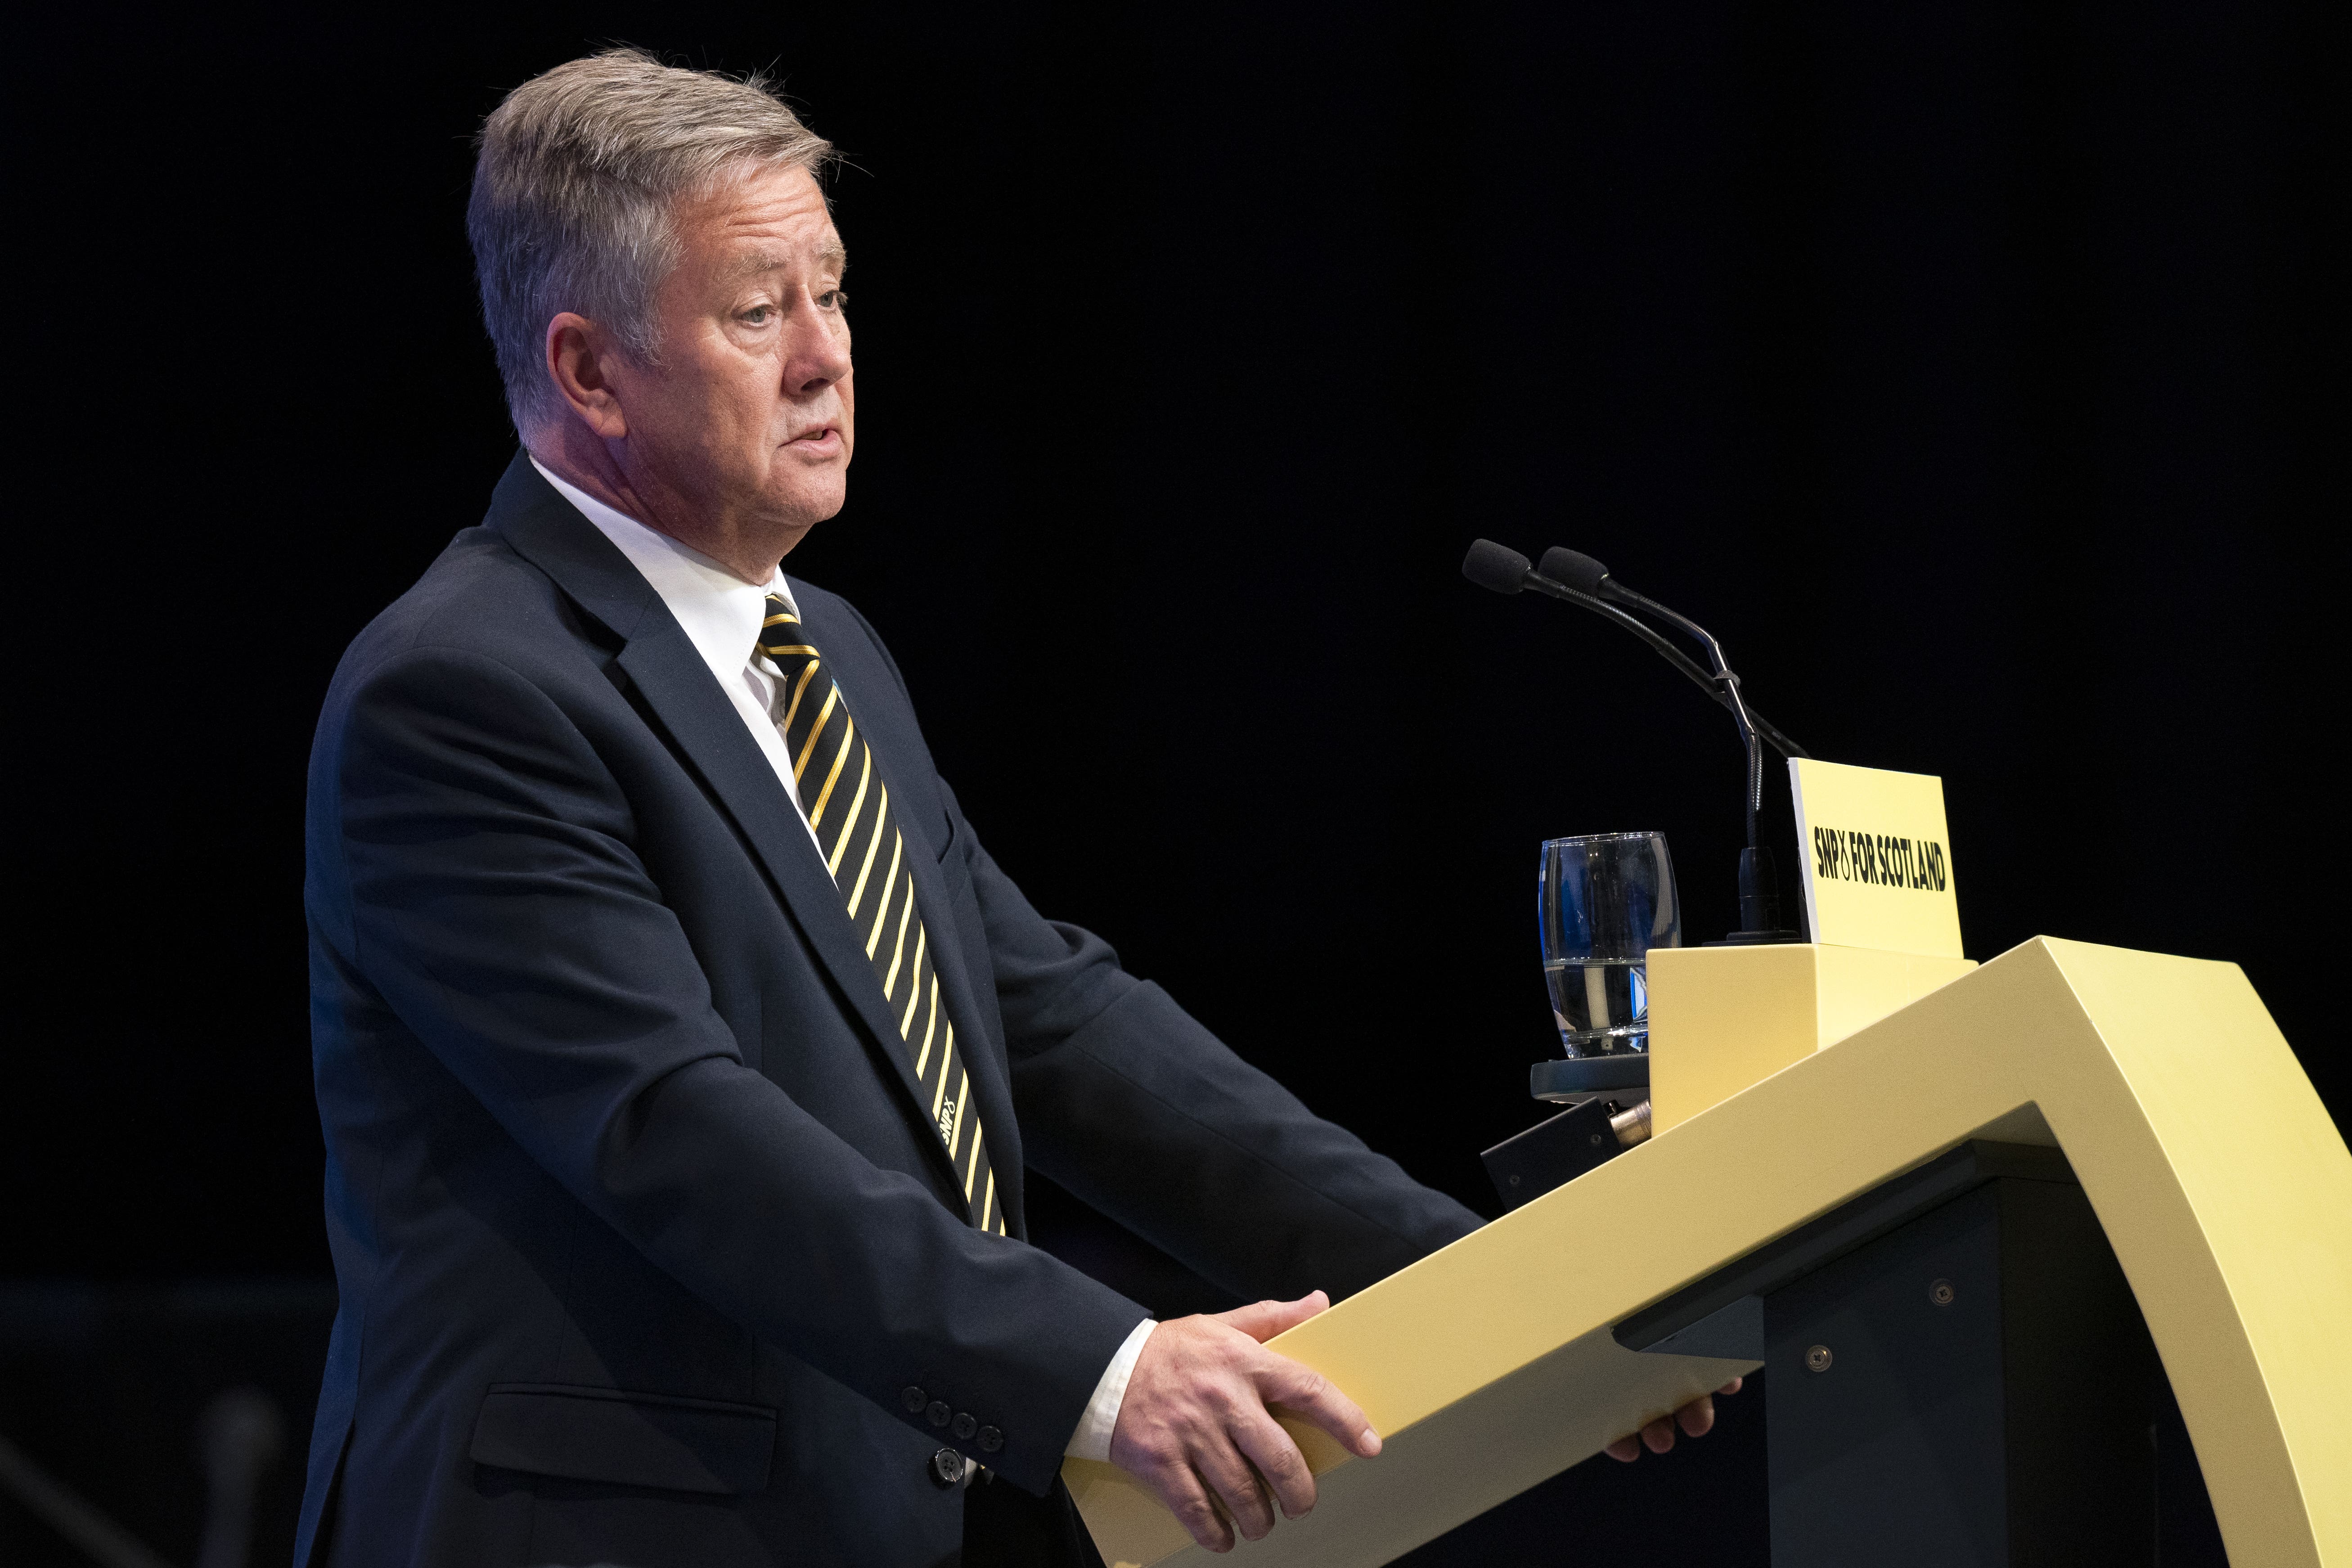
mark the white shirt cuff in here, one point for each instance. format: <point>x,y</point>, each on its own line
<point>1092,1439</point>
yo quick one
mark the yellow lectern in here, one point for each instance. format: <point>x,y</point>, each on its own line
<point>2212,1169</point>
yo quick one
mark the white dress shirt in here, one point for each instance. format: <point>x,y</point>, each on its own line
<point>720,614</point>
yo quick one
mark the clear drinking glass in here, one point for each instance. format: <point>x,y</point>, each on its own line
<point>1604,900</point>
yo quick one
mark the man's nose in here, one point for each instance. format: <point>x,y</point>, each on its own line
<point>819,356</point>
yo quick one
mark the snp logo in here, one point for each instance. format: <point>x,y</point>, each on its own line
<point>948,1122</point>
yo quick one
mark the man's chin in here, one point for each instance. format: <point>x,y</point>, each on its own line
<point>802,507</point>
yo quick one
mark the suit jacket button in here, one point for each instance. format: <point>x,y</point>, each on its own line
<point>990,1439</point>
<point>946,1467</point>
<point>938,1414</point>
<point>912,1398</point>
<point>963,1424</point>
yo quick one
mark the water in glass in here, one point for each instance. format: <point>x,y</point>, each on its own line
<point>1601,1007</point>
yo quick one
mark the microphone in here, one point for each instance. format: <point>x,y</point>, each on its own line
<point>1496,567</point>
<point>1503,570</point>
<point>1759,892</point>
<point>1580,572</point>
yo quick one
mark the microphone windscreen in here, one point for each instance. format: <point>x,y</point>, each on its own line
<point>1495,566</point>
<point>1581,573</point>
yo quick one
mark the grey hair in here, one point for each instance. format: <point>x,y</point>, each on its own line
<point>577,178</point>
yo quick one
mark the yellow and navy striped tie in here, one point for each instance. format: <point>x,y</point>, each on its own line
<point>849,807</point>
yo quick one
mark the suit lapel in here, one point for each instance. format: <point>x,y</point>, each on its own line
<point>703,726</point>
<point>678,686</point>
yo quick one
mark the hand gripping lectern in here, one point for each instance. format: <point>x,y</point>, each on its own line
<point>1932,1231</point>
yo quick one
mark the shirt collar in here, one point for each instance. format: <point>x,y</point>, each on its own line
<point>719,613</point>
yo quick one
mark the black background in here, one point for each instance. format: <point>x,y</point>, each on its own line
<point>1974,371</point>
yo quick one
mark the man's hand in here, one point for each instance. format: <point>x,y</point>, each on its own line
<point>1194,1427</point>
<point>1697,1419</point>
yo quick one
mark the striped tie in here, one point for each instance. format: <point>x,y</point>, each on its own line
<point>849,808</point>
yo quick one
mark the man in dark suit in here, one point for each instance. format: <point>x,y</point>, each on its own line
<point>679,1047</point>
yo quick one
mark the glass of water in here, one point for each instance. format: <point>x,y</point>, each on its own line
<point>1603,901</point>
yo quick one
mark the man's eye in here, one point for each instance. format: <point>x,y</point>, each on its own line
<point>834,300</point>
<point>757,316</point>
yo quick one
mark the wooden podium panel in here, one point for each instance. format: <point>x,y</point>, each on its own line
<point>2216,1173</point>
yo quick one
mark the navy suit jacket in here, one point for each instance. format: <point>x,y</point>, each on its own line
<point>645,1244</point>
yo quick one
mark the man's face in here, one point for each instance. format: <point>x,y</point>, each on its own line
<point>747,417</point>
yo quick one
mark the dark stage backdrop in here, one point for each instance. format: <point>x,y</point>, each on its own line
<point>1974,370</point>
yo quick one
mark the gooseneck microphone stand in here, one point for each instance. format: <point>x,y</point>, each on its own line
<point>1760,890</point>
<point>1504,570</point>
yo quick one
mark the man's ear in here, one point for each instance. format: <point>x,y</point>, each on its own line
<point>579,353</point>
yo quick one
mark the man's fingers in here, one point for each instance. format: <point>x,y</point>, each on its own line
<point>1303,1392</point>
<point>1278,1460</point>
<point>1261,1321</point>
<point>1696,1419</point>
<point>1185,1496</point>
<point>1237,1486</point>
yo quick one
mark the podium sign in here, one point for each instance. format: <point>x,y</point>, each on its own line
<point>1877,857</point>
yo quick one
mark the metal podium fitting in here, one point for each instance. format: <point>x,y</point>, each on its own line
<point>1551,1153</point>
<point>1572,1080</point>
<point>1609,1112</point>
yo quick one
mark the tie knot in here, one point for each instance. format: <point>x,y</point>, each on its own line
<point>781,637</point>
